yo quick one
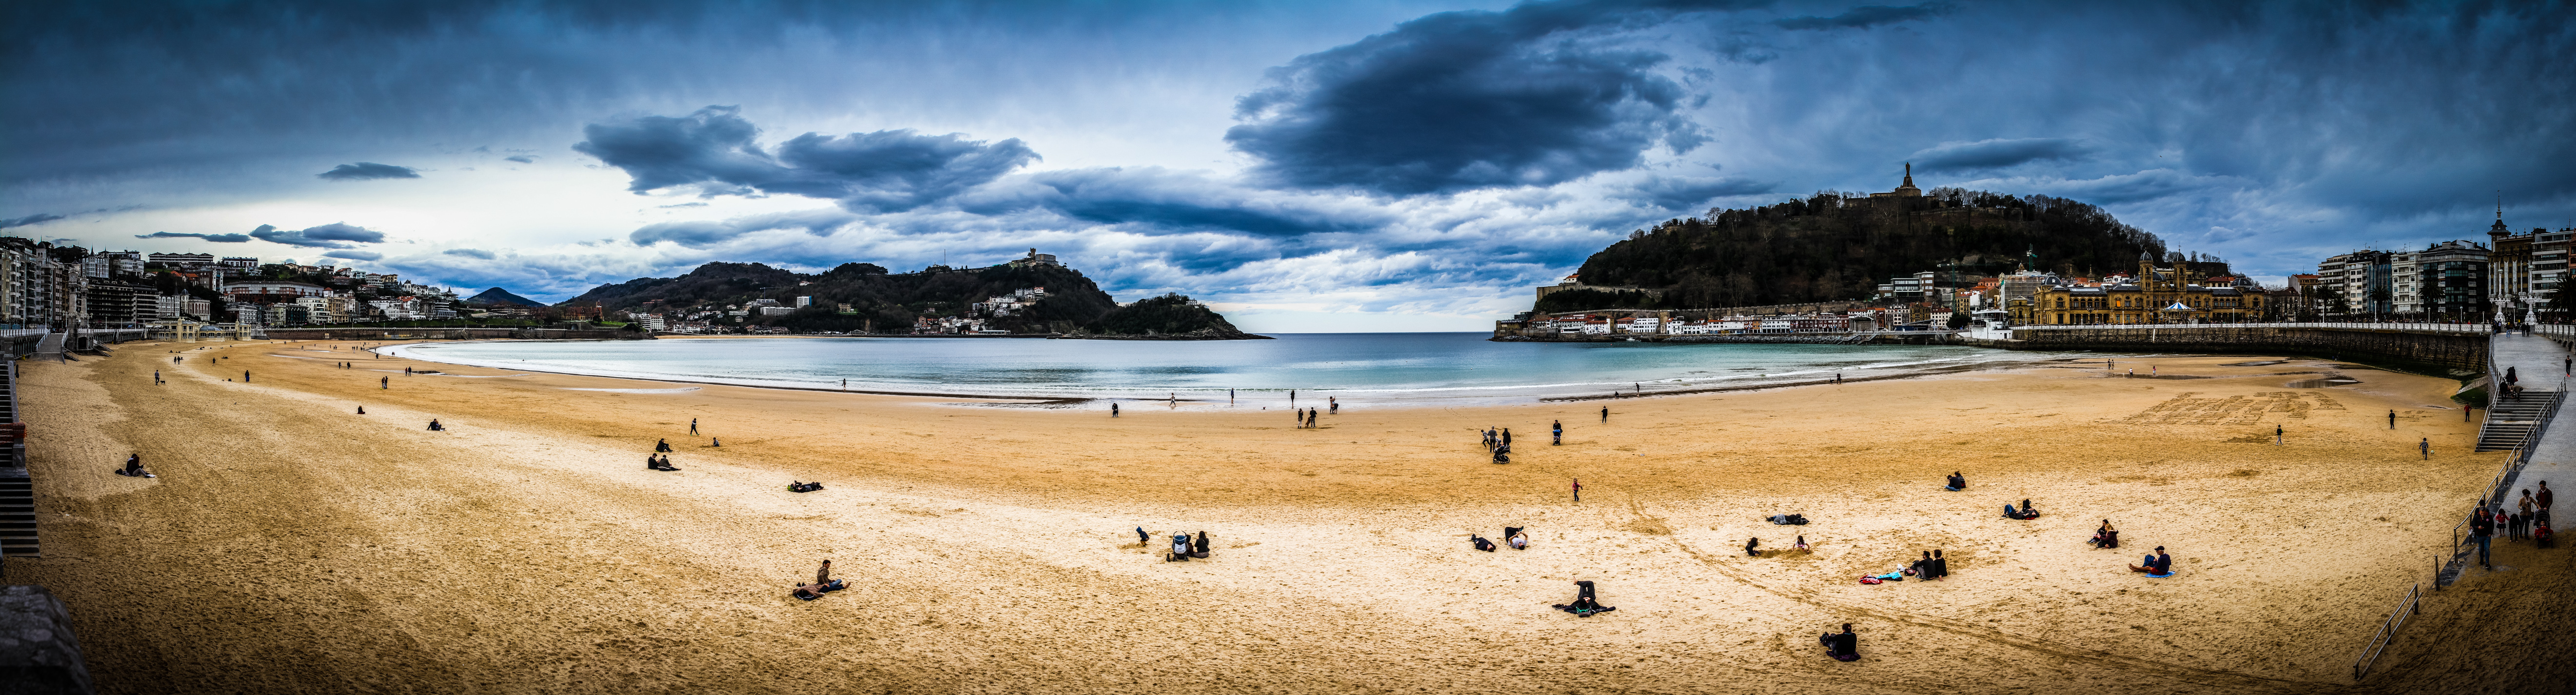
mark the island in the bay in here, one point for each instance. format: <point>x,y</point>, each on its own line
<point>1028,296</point>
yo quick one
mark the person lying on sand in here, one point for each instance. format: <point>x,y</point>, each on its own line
<point>1480,542</point>
<point>810,592</point>
<point>1842,646</point>
<point>1584,605</point>
<point>1516,538</point>
<point>1957,482</point>
<point>2159,563</point>
<point>2025,513</point>
<point>802,487</point>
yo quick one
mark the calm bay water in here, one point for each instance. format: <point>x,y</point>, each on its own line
<point>1408,368</point>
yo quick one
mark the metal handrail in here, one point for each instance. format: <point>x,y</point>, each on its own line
<point>2413,604</point>
<point>2480,328</point>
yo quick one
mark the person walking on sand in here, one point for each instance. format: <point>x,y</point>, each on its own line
<point>2276,435</point>
<point>2425,446</point>
<point>2482,532</point>
<point>1578,489</point>
<point>1507,437</point>
<point>1605,413</point>
<point>245,376</point>
<point>1113,410</point>
<point>1557,432</point>
<point>2392,419</point>
<point>693,427</point>
<point>384,382</point>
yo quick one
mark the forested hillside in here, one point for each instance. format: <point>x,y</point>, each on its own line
<point>889,303</point>
<point>1827,247</point>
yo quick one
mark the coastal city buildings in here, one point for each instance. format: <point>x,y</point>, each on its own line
<point>43,285</point>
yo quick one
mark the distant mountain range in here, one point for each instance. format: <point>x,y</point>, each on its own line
<point>501,296</point>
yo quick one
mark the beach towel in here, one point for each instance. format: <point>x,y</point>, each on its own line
<point>1896,576</point>
<point>1872,580</point>
<point>2168,573</point>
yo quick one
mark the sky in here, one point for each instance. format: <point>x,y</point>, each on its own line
<point>1310,166</point>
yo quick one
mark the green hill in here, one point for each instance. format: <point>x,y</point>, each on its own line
<point>883,302</point>
<point>1831,246</point>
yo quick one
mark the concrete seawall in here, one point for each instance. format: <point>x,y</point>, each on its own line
<point>2466,351</point>
<point>1883,338</point>
<point>355,333</point>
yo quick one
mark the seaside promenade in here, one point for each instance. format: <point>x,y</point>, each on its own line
<point>2541,364</point>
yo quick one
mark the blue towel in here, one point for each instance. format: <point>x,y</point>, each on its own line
<point>2160,576</point>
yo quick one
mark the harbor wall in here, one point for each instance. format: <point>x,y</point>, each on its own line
<point>2464,351</point>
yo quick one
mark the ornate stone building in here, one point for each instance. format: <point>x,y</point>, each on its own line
<point>2155,295</point>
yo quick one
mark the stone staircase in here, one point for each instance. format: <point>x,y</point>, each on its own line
<point>17,492</point>
<point>2510,423</point>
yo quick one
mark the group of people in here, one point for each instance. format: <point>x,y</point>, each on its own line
<point>823,582</point>
<point>799,486</point>
<point>1956,483</point>
<point>1307,418</point>
<point>1184,546</point>
<point>659,462</point>
<point>1499,443</point>
<point>1514,536</point>
<point>2527,518</point>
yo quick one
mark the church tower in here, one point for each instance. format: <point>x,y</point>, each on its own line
<point>2499,229</point>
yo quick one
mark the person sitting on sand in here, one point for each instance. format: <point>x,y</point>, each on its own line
<point>1801,545</point>
<point>652,462</point>
<point>1922,567</point>
<point>1584,605</point>
<point>665,465</point>
<point>1940,566</point>
<point>714,442</point>
<point>362,410</point>
<point>435,427</point>
<point>2105,537</point>
<point>1957,482</point>
<point>1752,548</point>
<point>1842,646</point>
<point>1515,537</point>
<point>663,446</point>
<point>2025,513</point>
<point>134,468</point>
<point>1199,547</point>
<point>1480,542</point>
<point>2159,563</point>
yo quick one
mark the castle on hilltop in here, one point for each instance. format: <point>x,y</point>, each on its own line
<point>1905,190</point>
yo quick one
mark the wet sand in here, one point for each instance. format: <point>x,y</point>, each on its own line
<point>294,546</point>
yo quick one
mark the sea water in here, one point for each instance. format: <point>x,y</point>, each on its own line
<point>1391,368</point>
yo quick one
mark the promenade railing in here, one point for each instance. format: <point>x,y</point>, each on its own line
<point>2413,604</point>
<point>2470,328</point>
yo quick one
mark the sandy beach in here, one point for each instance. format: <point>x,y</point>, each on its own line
<point>292,545</point>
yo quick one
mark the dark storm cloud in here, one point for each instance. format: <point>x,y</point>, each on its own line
<point>38,218</point>
<point>1865,16</point>
<point>1687,193</point>
<point>715,150</point>
<point>1472,99</point>
<point>1995,154</point>
<point>702,234</point>
<point>1155,201</point>
<point>330,236</point>
<point>217,238</point>
<point>366,171</point>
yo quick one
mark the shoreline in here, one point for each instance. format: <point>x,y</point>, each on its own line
<point>1396,402</point>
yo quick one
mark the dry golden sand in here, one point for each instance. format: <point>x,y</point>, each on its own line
<point>291,545</point>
